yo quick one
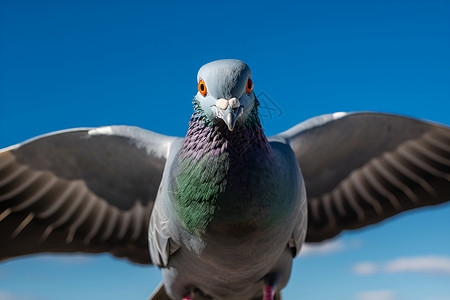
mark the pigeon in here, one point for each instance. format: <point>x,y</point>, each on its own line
<point>224,210</point>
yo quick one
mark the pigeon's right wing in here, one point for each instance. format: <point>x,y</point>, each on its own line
<point>361,168</point>
<point>81,190</point>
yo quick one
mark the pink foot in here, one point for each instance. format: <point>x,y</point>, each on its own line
<point>187,298</point>
<point>268,292</point>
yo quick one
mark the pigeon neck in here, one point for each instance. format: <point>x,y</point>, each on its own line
<point>207,136</point>
<point>209,155</point>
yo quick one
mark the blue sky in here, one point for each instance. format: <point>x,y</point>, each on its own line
<point>66,64</point>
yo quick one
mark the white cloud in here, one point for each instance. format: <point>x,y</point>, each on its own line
<point>322,248</point>
<point>439,265</point>
<point>365,268</point>
<point>4,295</point>
<point>376,295</point>
<point>422,264</point>
<point>328,247</point>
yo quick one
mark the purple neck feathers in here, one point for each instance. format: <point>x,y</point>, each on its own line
<point>216,139</point>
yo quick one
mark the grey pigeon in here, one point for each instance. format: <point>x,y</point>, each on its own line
<point>224,210</point>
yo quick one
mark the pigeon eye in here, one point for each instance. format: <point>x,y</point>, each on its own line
<point>202,87</point>
<point>249,86</point>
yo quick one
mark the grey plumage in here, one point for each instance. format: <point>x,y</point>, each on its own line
<point>104,189</point>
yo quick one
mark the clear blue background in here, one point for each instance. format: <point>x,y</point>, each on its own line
<point>67,64</point>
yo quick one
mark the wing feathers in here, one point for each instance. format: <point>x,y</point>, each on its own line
<point>81,190</point>
<point>413,175</point>
<point>23,224</point>
<point>111,222</point>
<point>59,201</point>
<point>5,213</point>
<point>99,218</point>
<point>70,211</point>
<point>379,165</point>
<point>360,185</point>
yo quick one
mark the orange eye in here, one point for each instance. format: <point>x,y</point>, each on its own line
<point>249,86</point>
<point>202,87</point>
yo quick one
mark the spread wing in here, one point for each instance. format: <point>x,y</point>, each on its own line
<point>361,168</point>
<point>81,190</point>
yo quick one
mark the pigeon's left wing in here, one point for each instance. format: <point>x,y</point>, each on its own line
<point>87,190</point>
<point>361,168</point>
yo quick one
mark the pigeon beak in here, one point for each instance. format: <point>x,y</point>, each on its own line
<point>230,111</point>
<point>230,116</point>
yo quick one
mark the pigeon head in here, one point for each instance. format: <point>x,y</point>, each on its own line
<point>225,93</point>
